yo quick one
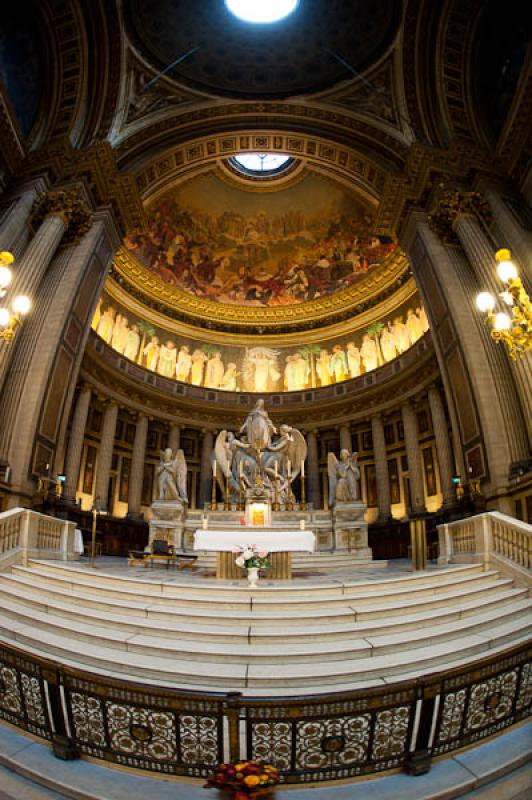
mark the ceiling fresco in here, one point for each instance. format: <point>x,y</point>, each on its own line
<point>227,56</point>
<point>233,246</point>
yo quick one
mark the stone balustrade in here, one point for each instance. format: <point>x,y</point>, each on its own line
<point>490,537</point>
<point>27,534</point>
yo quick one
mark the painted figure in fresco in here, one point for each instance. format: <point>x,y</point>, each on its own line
<point>423,318</point>
<point>258,426</point>
<point>106,325</point>
<point>369,354</point>
<point>323,368</point>
<point>290,374</point>
<point>344,477</point>
<point>229,378</point>
<point>167,359</point>
<point>261,368</point>
<point>388,343</point>
<point>198,365</point>
<point>151,353</point>
<point>97,315</point>
<point>171,476</point>
<point>400,335</point>
<point>214,371</point>
<point>301,371</point>
<point>132,343</point>
<point>353,360</point>
<point>118,342</point>
<point>184,363</point>
<point>413,326</point>
<point>338,364</point>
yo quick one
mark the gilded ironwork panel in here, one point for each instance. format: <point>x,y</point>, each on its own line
<point>22,698</point>
<point>524,696</point>
<point>390,734</point>
<point>491,701</point>
<point>342,741</point>
<point>86,717</point>
<point>271,742</point>
<point>452,715</point>
<point>200,739</point>
<point>142,732</point>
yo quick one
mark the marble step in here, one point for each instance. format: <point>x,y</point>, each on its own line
<point>273,597</point>
<point>209,628</point>
<point>225,675</point>
<point>152,643</point>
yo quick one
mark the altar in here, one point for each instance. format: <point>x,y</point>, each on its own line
<point>279,543</point>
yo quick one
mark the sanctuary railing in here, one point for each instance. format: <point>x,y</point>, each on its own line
<point>309,738</point>
<point>27,534</point>
<point>491,538</point>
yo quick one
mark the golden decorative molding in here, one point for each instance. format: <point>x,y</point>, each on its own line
<point>132,275</point>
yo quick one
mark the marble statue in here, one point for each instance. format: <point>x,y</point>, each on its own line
<point>344,478</point>
<point>171,475</point>
<point>259,451</point>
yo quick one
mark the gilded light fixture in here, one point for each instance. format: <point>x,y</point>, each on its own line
<point>10,317</point>
<point>515,330</point>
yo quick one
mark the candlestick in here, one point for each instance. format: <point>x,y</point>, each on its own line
<point>289,468</point>
<point>213,495</point>
<point>303,504</point>
<point>227,503</point>
<point>241,491</point>
<point>302,469</point>
<point>214,469</point>
<point>276,506</point>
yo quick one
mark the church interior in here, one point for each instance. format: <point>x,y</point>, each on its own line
<point>265,399</point>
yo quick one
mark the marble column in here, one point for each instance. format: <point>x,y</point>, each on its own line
<point>205,487</point>
<point>443,446</point>
<point>313,471</point>
<point>381,468</point>
<point>413,455</point>
<point>75,444</point>
<point>513,380</point>
<point>174,437</point>
<point>134,494</point>
<point>346,442</point>
<point>513,235</point>
<point>14,223</point>
<point>105,454</point>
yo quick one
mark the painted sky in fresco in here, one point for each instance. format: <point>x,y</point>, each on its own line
<point>260,248</point>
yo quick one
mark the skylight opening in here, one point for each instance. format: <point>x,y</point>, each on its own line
<point>261,11</point>
<point>262,163</point>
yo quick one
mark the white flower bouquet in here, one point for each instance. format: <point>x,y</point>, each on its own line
<point>250,556</point>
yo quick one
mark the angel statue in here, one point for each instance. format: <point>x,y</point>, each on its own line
<point>288,452</point>
<point>171,476</point>
<point>233,457</point>
<point>344,477</point>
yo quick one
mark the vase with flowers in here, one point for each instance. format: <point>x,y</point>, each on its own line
<point>252,559</point>
<point>245,779</point>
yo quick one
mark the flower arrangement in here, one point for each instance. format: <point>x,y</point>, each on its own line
<point>250,556</point>
<point>246,779</point>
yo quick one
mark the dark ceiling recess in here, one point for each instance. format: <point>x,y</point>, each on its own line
<point>242,60</point>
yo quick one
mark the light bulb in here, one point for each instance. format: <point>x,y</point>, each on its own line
<point>502,322</point>
<point>6,258</point>
<point>5,316</point>
<point>507,271</point>
<point>485,301</point>
<point>21,304</point>
<point>5,277</point>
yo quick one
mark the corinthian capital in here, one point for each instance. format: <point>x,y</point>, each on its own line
<point>69,207</point>
<point>451,205</point>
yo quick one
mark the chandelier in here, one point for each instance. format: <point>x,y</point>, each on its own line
<point>515,330</point>
<point>10,317</point>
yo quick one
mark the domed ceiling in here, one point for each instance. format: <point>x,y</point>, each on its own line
<point>229,244</point>
<point>239,59</point>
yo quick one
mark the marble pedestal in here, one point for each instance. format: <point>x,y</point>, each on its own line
<point>350,529</point>
<point>168,522</point>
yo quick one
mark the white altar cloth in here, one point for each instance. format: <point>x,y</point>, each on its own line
<point>273,541</point>
<point>78,542</point>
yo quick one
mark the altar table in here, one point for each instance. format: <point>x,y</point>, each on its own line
<point>281,545</point>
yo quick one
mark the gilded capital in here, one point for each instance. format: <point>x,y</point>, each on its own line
<point>452,204</point>
<point>69,207</point>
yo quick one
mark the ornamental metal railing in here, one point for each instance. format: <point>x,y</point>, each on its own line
<point>310,739</point>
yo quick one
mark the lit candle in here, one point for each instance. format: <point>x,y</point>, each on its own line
<point>302,469</point>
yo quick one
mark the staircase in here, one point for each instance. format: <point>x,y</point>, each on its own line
<point>305,637</point>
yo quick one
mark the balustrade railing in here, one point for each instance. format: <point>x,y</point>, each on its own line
<point>309,739</point>
<point>27,534</point>
<point>486,537</point>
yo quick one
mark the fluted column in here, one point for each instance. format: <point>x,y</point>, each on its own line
<point>346,443</point>
<point>509,375</point>
<point>313,471</point>
<point>174,438</point>
<point>206,468</point>
<point>134,495</point>
<point>105,454</point>
<point>417,494</point>
<point>443,446</point>
<point>381,468</point>
<point>75,444</point>
<point>13,226</point>
<point>513,234</point>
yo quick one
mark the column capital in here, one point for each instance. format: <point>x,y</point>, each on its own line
<point>69,207</point>
<point>452,205</point>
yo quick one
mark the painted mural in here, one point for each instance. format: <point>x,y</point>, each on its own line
<point>259,368</point>
<point>251,248</point>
